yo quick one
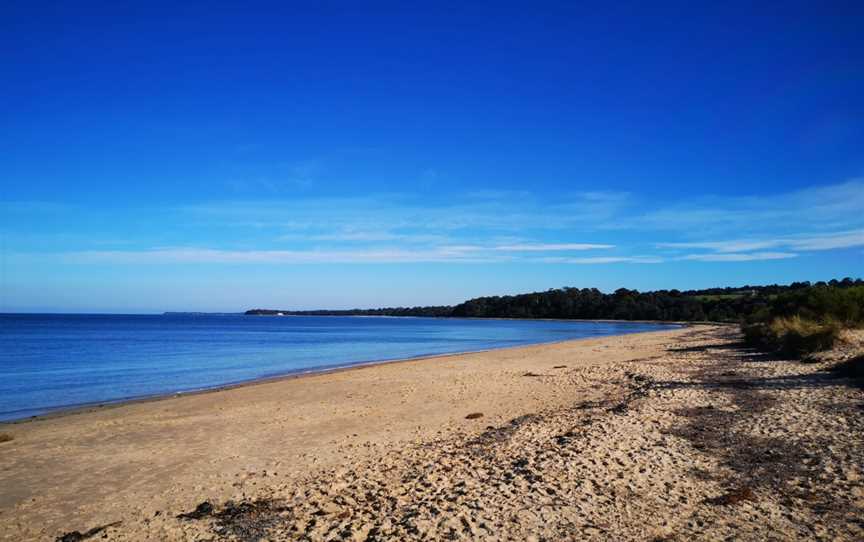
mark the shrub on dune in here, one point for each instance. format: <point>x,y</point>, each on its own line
<point>806,320</point>
<point>755,335</point>
<point>844,305</point>
<point>797,336</point>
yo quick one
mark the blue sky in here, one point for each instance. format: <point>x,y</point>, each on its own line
<point>211,157</point>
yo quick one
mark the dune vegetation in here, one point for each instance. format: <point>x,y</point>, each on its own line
<point>804,321</point>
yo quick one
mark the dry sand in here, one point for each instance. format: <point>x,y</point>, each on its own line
<point>673,435</point>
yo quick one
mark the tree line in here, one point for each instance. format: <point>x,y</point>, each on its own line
<point>713,304</point>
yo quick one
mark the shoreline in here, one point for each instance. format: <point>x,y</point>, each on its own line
<point>660,435</point>
<point>74,410</point>
<point>157,458</point>
<point>205,314</point>
<point>587,320</point>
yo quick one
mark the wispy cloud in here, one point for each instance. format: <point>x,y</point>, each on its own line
<point>489,214</point>
<point>723,246</point>
<point>823,208</point>
<point>549,247</point>
<point>493,226</point>
<point>199,255</point>
<point>208,255</point>
<point>365,237</point>
<point>591,260</point>
<point>833,241</point>
<point>829,242</point>
<point>733,257</point>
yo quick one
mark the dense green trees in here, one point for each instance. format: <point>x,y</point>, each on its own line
<point>714,304</point>
<point>842,303</point>
<point>806,320</point>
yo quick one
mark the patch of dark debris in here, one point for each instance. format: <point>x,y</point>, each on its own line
<point>587,405</point>
<point>77,536</point>
<point>201,511</point>
<point>248,521</point>
<point>756,461</point>
<point>781,469</point>
<point>497,435</point>
<point>735,496</point>
<point>638,387</point>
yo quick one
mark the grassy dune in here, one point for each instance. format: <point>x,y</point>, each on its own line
<point>802,322</point>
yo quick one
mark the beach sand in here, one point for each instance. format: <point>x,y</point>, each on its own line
<point>671,435</point>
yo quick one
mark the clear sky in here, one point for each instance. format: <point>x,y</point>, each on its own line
<point>327,155</point>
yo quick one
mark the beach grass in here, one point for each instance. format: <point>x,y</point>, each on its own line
<point>807,321</point>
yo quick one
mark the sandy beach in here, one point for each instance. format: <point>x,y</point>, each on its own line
<point>671,435</point>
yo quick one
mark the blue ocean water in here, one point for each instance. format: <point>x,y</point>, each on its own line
<point>50,362</point>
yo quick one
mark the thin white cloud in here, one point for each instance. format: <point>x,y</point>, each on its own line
<point>464,248</point>
<point>506,212</point>
<point>365,237</point>
<point>188,255</point>
<point>603,260</point>
<point>830,242</point>
<point>732,257</point>
<point>202,255</point>
<point>823,210</point>
<point>723,246</point>
<point>488,226</point>
<point>839,240</point>
<point>359,236</point>
<point>549,247</point>
<point>833,207</point>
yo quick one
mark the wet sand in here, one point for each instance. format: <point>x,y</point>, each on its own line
<point>672,435</point>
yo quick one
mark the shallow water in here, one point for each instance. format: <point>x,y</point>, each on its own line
<point>49,362</point>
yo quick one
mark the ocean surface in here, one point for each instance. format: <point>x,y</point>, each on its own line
<point>50,362</point>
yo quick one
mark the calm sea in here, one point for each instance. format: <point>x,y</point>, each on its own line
<point>49,362</point>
